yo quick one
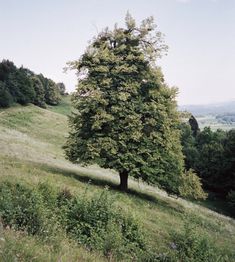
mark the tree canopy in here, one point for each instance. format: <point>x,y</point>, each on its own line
<point>211,155</point>
<point>126,117</point>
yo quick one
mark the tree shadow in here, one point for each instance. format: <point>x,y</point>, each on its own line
<point>171,207</point>
<point>79,176</point>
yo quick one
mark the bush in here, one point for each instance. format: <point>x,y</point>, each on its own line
<point>192,246</point>
<point>97,224</point>
<point>191,186</point>
<point>21,208</point>
<point>93,222</point>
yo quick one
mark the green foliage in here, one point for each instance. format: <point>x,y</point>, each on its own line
<point>191,186</point>
<point>39,99</point>
<point>192,246</point>
<point>52,93</point>
<point>95,222</point>
<point>61,88</point>
<point>211,155</point>
<point>24,83</point>
<point>5,97</point>
<point>126,117</point>
<point>231,201</point>
<point>21,207</point>
<point>190,150</point>
<point>22,86</point>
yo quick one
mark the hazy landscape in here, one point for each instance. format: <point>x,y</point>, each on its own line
<point>219,115</point>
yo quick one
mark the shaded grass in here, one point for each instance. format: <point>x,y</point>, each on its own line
<point>64,106</point>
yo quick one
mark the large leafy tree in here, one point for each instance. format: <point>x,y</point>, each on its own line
<point>126,117</point>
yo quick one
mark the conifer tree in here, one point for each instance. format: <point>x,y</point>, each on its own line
<point>126,117</point>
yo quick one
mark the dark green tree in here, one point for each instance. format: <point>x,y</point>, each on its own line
<point>39,99</point>
<point>25,86</point>
<point>190,150</point>
<point>229,158</point>
<point>126,116</point>
<point>5,97</point>
<point>52,93</point>
<point>194,125</point>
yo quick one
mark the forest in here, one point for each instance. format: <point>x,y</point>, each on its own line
<point>21,85</point>
<point>211,155</point>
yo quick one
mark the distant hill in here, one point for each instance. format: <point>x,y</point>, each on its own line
<point>210,109</point>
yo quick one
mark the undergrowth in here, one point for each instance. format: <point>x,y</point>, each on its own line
<point>96,223</point>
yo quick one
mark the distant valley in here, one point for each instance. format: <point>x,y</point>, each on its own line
<point>216,115</point>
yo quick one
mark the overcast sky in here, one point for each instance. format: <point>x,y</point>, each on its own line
<point>43,35</point>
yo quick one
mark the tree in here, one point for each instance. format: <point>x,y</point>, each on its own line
<point>39,99</point>
<point>126,116</point>
<point>194,125</point>
<point>188,141</point>
<point>229,156</point>
<point>61,88</point>
<point>25,86</point>
<point>5,97</point>
<point>52,94</point>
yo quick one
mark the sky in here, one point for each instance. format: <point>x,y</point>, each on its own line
<point>44,35</point>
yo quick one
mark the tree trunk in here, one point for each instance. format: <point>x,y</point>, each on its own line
<point>123,181</point>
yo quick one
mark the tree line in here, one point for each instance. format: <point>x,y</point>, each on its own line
<point>211,154</point>
<point>23,86</point>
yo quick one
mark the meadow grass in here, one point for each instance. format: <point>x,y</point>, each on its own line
<point>31,141</point>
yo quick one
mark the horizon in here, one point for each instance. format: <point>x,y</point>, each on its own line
<point>200,35</point>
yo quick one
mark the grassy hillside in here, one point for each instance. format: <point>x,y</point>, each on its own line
<point>31,140</point>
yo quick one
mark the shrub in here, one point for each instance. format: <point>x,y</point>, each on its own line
<point>93,222</point>
<point>21,208</point>
<point>97,224</point>
<point>191,186</point>
<point>192,246</point>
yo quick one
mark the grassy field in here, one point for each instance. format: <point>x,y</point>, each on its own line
<point>31,141</point>
<point>213,122</point>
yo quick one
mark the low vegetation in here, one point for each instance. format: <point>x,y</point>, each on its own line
<point>77,219</point>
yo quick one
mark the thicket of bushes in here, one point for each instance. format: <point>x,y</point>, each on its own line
<point>21,85</point>
<point>95,222</point>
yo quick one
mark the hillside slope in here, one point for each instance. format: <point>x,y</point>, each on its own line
<point>31,140</point>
